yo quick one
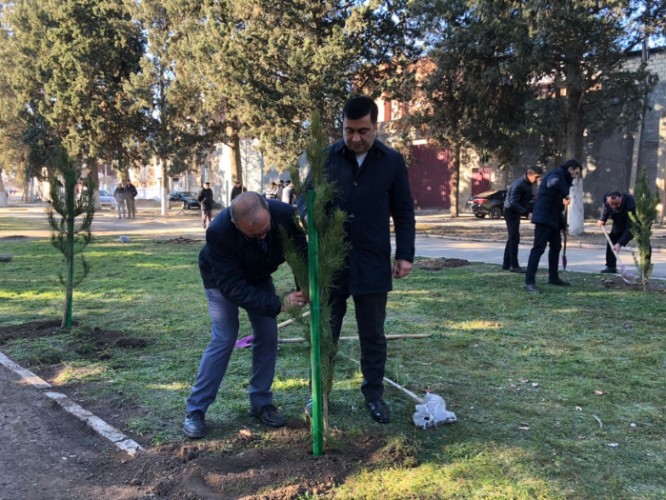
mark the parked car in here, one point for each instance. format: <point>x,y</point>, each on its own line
<point>487,203</point>
<point>187,198</point>
<point>106,199</point>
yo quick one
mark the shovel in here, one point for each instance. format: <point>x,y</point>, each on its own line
<point>564,233</point>
<point>626,275</point>
<point>430,411</point>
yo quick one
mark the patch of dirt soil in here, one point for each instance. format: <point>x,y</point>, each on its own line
<point>617,282</point>
<point>30,330</point>
<point>436,264</point>
<point>180,240</point>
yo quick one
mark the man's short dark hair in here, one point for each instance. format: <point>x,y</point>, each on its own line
<point>535,170</point>
<point>360,106</point>
<point>614,194</point>
<point>572,164</point>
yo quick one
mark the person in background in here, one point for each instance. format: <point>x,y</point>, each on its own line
<point>519,203</point>
<point>205,199</point>
<point>617,206</point>
<point>119,195</point>
<point>288,193</point>
<point>280,189</point>
<point>130,194</point>
<point>272,191</point>
<point>237,189</point>
<point>549,221</point>
<point>243,249</point>
<point>373,188</point>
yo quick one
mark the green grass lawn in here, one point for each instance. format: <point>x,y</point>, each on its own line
<point>558,395</point>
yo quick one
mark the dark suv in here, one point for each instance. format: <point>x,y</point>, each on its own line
<point>487,203</point>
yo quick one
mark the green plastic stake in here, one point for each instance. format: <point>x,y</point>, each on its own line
<point>317,424</point>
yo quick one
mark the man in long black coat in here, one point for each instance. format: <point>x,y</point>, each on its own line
<point>548,217</point>
<point>373,187</point>
<point>519,203</point>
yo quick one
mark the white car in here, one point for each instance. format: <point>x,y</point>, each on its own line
<point>106,199</point>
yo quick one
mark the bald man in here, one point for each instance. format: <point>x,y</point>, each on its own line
<point>243,249</point>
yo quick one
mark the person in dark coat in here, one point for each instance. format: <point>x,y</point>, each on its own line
<point>237,189</point>
<point>519,203</point>
<point>243,249</point>
<point>205,199</point>
<point>617,206</point>
<point>548,218</point>
<point>373,188</point>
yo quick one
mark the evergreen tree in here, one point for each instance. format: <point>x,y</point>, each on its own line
<point>69,236</point>
<point>268,64</point>
<point>641,227</point>
<point>332,248</point>
<point>169,103</point>
<point>549,69</point>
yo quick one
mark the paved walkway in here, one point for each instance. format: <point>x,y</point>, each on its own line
<point>587,259</point>
<point>186,223</point>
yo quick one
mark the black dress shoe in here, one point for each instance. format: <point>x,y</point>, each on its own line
<point>558,282</point>
<point>194,426</point>
<point>517,269</point>
<point>269,415</point>
<point>505,268</point>
<point>379,411</point>
<point>531,288</point>
<point>609,270</point>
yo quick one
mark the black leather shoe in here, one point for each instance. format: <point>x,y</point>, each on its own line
<point>558,282</point>
<point>269,415</point>
<point>379,411</point>
<point>609,270</point>
<point>517,269</point>
<point>505,268</point>
<point>531,288</point>
<point>194,426</point>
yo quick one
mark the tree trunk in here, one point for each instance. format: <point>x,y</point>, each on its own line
<point>574,150</point>
<point>165,186</point>
<point>4,196</point>
<point>237,165</point>
<point>455,181</point>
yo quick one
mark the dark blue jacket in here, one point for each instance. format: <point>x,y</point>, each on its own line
<point>620,218</point>
<point>520,197</point>
<point>548,207</point>
<point>236,264</point>
<point>371,196</point>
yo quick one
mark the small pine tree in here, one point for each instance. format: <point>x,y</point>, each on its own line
<point>332,247</point>
<point>641,227</point>
<point>66,236</point>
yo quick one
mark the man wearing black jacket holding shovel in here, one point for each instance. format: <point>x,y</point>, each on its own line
<point>617,207</point>
<point>548,218</point>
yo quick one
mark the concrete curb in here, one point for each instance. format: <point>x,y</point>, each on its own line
<point>98,425</point>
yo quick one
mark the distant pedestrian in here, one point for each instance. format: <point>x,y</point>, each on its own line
<point>237,189</point>
<point>288,193</point>
<point>205,199</point>
<point>548,218</point>
<point>272,191</point>
<point>119,195</point>
<point>617,207</point>
<point>519,203</point>
<point>130,194</point>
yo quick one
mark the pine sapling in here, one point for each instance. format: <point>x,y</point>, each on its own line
<point>641,226</point>
<point>68,237</point>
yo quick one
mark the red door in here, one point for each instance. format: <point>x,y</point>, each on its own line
<point>481,179</point>
<point>430,178</point>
